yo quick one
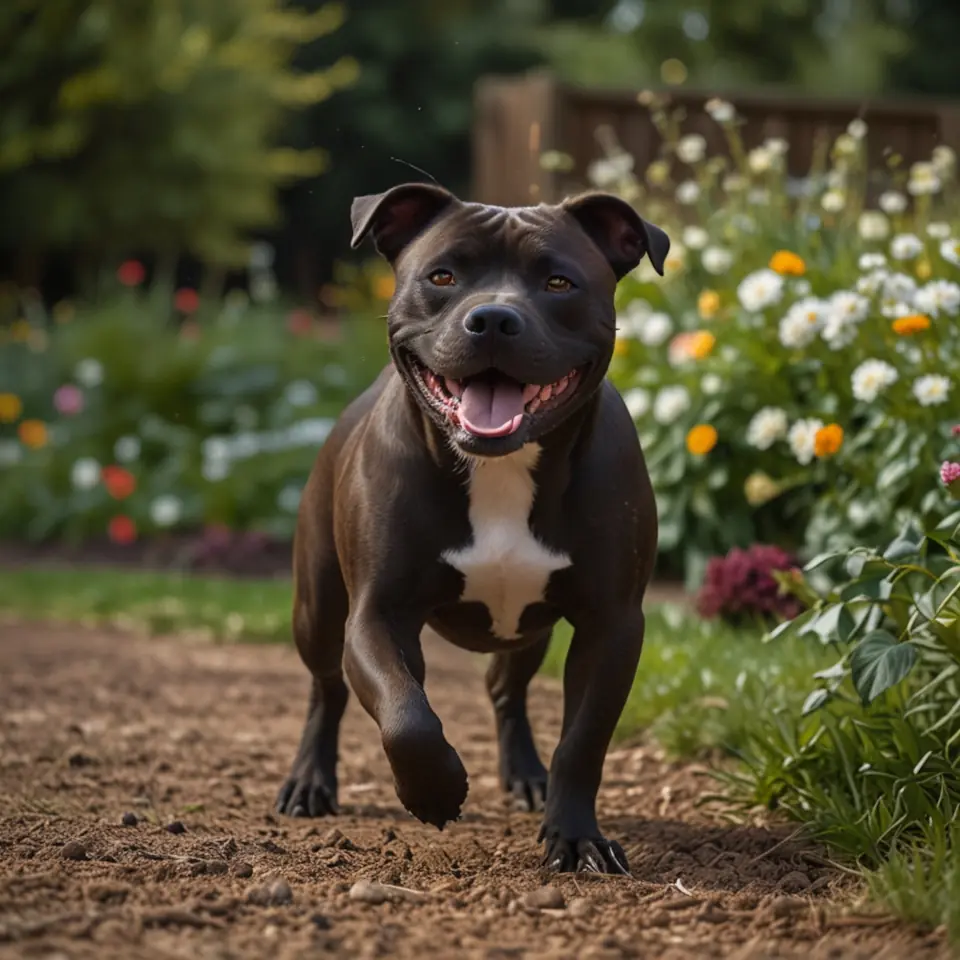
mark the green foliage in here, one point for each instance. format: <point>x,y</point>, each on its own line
<point>814,331</point>
<point>872,764</point>
<point>217,421</point>
<point>149,125</point>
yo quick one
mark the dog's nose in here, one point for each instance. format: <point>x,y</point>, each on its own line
<point>493,319</point>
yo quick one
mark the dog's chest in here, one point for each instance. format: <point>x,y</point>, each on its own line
<point>505,567</point>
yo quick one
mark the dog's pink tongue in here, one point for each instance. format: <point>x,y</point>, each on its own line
<point>491,409</point>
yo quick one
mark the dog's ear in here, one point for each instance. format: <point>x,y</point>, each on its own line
<point>619,231</point>
<point>397,216</point>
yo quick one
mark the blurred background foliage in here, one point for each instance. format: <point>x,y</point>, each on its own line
<point>179,128</point>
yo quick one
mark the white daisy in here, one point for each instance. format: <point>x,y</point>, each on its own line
<point>906,246</point>
<point>950,251</point>
<point>802,439</point>
<point>873,225</point>
<point>166,510</point>
<point>692,148</point>
<point>767,425</point>
<point>637,401</point>
<point>760,289</point>
<point>85,473</point>
<point>871,378</point>
<point>696,238</point>
<point>127,449</point>
<point>892,202</point>
<point>716,260</point>
<point>89,372</point>
<point>931,390</point>
<point>938,296</point>
<point>670,403</point>
<point>688,193</point>
<point>802,323</point>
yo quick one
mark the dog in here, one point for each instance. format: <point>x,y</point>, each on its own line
<point>488,484</point>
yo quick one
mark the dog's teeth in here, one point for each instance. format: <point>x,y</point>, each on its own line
<point>454,387</point>
<point>560,385</point>
<point>546,393</point>
<point>530,391</point>
<point>533,405</point>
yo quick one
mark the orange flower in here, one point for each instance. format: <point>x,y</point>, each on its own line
<point>788,263</point>
<point>120,483</point>
<point>122,530</point>
<point>33,434</point>
<point>701,439</point>
<point>915,323</point>
<point>828,440</point>
<point>10,407</point>
<point>384,286</point>
<point>186,300</point>
<point>701,344</point>
<point>708,304</point>
<point>620,347</point>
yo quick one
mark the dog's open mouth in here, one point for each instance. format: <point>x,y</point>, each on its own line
<point>492,404</point>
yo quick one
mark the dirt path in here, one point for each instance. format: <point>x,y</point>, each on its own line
<point>94,725</point>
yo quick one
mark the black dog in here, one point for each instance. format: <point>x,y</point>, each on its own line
<point>488,484</point>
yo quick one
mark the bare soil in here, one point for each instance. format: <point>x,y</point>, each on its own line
<point>188,743</point>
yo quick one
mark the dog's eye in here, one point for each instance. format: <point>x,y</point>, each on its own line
<point>442,278</point>
<point>559,284</point>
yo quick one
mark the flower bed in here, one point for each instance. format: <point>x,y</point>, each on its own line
<point>794,376</point>
<point>153,411</point>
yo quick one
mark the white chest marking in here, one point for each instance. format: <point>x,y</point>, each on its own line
<point>505,567</point>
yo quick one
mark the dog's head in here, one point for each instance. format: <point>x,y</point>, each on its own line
<point>502,323</point>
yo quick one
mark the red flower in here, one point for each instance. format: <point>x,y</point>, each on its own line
<point>956,430</point>
<point>186,300</point>
<point>131,273</point>
<point>122,530</point>
<point>299,322</point>
<point>120,483</point>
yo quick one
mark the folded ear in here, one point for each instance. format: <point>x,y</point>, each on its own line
<point>619,231</point>
<point>397,216</point>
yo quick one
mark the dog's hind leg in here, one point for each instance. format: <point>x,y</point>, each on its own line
<point>319,613</point>
<point>522,772</point>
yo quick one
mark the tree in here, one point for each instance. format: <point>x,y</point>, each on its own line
<point>151,124</point>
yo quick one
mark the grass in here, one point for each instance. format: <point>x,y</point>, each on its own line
<point>701,686</point>
<point>159,603</point>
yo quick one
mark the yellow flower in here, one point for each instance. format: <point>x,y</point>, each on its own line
<point>923,269</point>
<point>10,407</point>
<point>620,347</point>
<point>708,304</point>
<point>701,439</point>
<point>915,323</point>
<point>828,440</point>
<point>20,331</point>
<point>759,489</point>
<point>788,263</point>
<point>33,434</point>
<point>384,286</point>
<point>701,344</point>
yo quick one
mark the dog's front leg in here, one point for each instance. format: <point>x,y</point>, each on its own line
<point>384,663</point>
<point>597,678</point>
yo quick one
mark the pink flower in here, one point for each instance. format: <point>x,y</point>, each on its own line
<point>956,430</point>
<point>186,300</point>
<point>950,475</point>
<point>68,400</point>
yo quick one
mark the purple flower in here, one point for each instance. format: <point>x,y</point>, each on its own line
<point>68,400</point>
<point>740,585</point>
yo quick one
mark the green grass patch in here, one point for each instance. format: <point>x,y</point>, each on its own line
<point>225,609</point>
<point>703,686</point>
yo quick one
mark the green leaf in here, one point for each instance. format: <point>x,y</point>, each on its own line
<point>876,587</point>
<point>815,701</point>
<point>855,564</point>
<point>901,549</point>
<point>893,473</point>
<point>821,558</point>
<point>878,663</point>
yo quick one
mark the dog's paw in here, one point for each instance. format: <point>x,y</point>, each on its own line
<point>308,792</point>
<point>429,777</point>
<point>528,792</point>
<point>584,854</point>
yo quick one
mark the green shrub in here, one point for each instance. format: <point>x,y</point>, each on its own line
<point>794,374</point>
<point>122,412</point>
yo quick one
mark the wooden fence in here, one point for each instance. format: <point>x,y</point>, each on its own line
<point>516,119</point>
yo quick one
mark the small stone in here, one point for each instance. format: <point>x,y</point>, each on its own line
<point>580,907</point>
<point>176,827</point>
<point>129,819</point>
<point>243,869</point>
<point>320,922</point>
<point>785,906</point>
<point>794,882</point>
<point>546,898</point>
<point>365,891</point>
<point>74,850</point>
<point>275,892</point>
<point>215,868</point>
